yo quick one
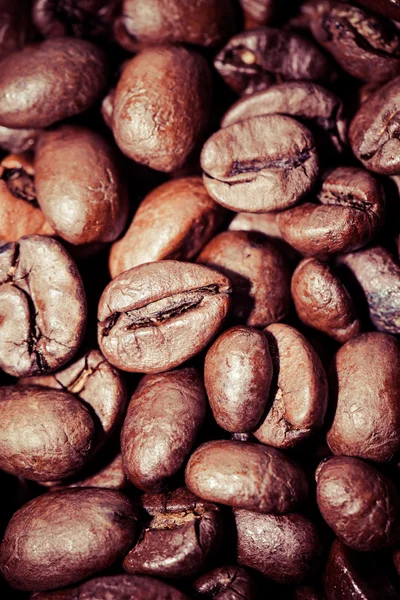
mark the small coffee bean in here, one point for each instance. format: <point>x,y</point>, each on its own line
<point>173,222</point>
<point>18,140</point>
<point>226,583</point>
<point>43,306</point>
<point>284,548</point>
<point>50,81</point>
<point>358,503</point>
<point>111,476</point>
<point>245,475</point>
<point>237,376</point>
<point>261,164</point>
<point>63,537</point>
<point>299,391</point>
<point>367,416</point>
<point>262,223</point>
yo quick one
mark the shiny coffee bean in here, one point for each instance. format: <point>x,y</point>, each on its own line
<point>262,223</point>
<point>299,391</point>
<point>245,475</point>
<point>179,540</point>
<point>259,274</point>
<point>284,548</point>
<point>350,214</point>
<point>18,140</point>
<point>323,302</point>
<point>261,164</point>
<point>161,425</point>
<point>79,186</point>
<point>161,106</point>
<point>226,583</point>
<point>358,503</point>
<point>60,78</point>
<point>156,316</point>
<point>111,476</point>
<point>237,376</point>
<point>63,537</point>
<point>367,416</point>
<point>252,60</point>
<point>173,222</point>
<point>42,306</point>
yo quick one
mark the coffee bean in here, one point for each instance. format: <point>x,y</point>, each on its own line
<point>244,475</point>
<point>226,583</point>
<point>63,537</point>
<point>237,376</point>
<point>50,81</point>
<point>261,164</point>
<point>111,476</point>
<point>43,306</point>
<point>299,391</point>
<point>156,316</point>
<point>18,140</point>
<point>162,422</point>
<point>367,417</point>
<point>260,11</point>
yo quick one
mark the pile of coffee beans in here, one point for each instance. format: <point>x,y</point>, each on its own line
<point>200,299</point>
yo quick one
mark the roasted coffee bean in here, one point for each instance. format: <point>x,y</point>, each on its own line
<point>79,187</point>
<point>261,12</point>
<point>161,425</point>
<point>204,23</point>
<point>161,106</point>
<point>43,306</point>
<point>259,273</point>
<point>365,45</point>
<point>44,434</point>
<point>318,108</point>
<point>387,8</point>
<point>51,81</point>
<point>355,575</point>
<point>180,538</point>
<point>262,223</point>
<point>226,583</point>
<point>80,18</point>
<point>374,131</point>
<point>261,164</point>
<point>299,391</point>
<point>18,140</point>
<point>377,273</point>
<point>323,302</point>
<point>111,476</point>
<point>359,504</point>
<point>173,222</point>
<point>20,214</point>
<point>252,60</point>
<point>237,376</point>
<point>284,548</point>
<point>365,382</point>
<point>63,537</point>
<point>15,26</point>
<point>350,214</point>
<point>245,475</point>
<point>156,316</point>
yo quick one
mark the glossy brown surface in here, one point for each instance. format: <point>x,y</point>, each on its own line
<point>226,583</point>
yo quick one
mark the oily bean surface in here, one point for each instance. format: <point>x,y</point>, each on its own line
<point>226,583</point>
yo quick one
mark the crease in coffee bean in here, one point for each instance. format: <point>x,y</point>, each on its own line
<point>21,185</point>
<point>255,165</point>
<point>330,198</point>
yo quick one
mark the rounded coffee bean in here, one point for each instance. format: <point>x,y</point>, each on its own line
<point>261,164</point>
<point>45,435</point>
<point>367,417</point>
<point>156,316</point>
<point>252,60</point>
<point>226,583</point>
<point>161,425</point>
<point>237,376</point>
<point>161,106</point>
<point>246,475</point>
<point>42,306</point>
<point>79,187</point>
<point>284,548</point>
<point>62,537</point>
<point>173,222</point>
<point>355,575</point>
<point>365,45</point>
<point>373,132</point>
<point>259,274</point>
<point>377,274</point>
<point>299,391</point>
<point>152,22</point>
<point>20,213</point>
<point>262,223</point>
<point>359,504</point>
<point>350,214</point>
<point>111,476</point>
<point>59,78</point>
<point>15,26</point>
<point>387,8</point>
<point>180,538</point>
<point>323,302</point>
<point>18,140</point>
